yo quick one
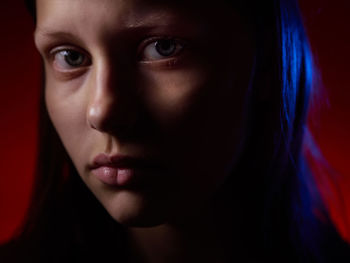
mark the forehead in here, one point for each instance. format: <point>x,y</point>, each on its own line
<point>75,13</point>
<point>105,23</point>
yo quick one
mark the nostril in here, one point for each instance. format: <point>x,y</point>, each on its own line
<point>112,111</point>
<point>114,121</point>
<point>93,118</point>
<point>93,126</point>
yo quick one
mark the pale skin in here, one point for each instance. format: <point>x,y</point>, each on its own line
<point>118,95</point>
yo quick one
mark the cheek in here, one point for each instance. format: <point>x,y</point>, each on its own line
<point>67,113</point>
<point>201,113</point>
<point>168,95</point>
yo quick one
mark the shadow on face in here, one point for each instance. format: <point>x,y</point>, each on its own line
<point>161,84</point>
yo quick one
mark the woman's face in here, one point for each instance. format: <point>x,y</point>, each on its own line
<point>148,99</point>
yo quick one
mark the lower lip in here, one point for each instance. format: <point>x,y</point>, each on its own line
<point>114,176</point>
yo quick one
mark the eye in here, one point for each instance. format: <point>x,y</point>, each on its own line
<point>68,59</point>
<point>161,49</point>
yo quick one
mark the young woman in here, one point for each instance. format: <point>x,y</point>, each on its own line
<point>174,131</point>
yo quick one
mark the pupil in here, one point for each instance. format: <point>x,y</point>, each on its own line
<point>73,58</point>
<point>165,47</point>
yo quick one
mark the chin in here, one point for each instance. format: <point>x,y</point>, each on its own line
<point>131,209</point>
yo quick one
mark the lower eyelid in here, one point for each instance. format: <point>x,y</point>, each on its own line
<point>67,75</point>
<point>163,64</point>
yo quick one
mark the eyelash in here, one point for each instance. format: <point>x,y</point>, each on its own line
<point>147,45</point>
<point>148,48</point>
<point>60,58</point>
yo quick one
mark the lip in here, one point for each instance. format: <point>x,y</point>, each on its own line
<point>120,170</point>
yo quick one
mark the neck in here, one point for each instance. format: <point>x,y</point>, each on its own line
<point>213,235</point>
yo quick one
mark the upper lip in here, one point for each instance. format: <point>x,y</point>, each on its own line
<point>121,161</point>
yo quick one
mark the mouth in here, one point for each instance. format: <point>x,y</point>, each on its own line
<point>120,170</point>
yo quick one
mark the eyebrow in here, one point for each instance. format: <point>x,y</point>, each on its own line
<point>51,35</point>
<point>46,35</point>
<point>148,22</point>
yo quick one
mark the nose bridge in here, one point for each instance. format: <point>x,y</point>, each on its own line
<point>110,98</point>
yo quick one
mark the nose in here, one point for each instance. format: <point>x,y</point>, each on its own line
<point>112,106</point>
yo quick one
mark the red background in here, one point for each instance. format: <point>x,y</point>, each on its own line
<point>328,28</point>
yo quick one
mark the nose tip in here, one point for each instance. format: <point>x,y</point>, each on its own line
<point>93,118</point>
<point>112,116</point>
